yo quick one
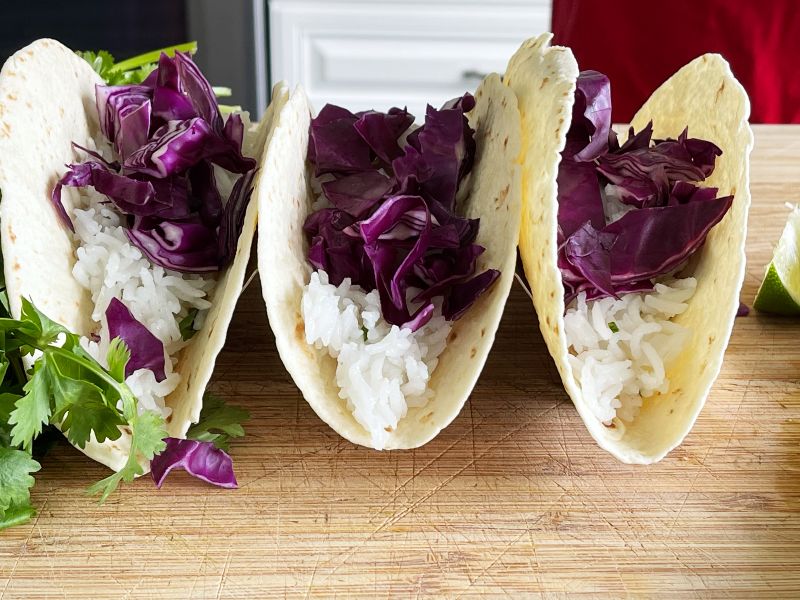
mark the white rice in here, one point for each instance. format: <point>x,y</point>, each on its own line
<point>109,266</point>
<point>382,370</point>
<point>617,370</point>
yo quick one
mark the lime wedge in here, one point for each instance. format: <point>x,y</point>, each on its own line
<point>780,291</point>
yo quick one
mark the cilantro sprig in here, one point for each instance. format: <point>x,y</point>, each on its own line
<point>68,387</point>
<point>218,422</point>
<point>135,70</point>
<point>131,70</point>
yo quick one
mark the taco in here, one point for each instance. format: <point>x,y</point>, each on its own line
<point>634,250</point>
<point>125,213</point>
<point>386,253</point>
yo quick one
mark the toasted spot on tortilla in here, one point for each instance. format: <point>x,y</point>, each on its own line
<point>711,339</point>
<point>12,97</point>
<point>483,331</point>
<point>505,142</point>
<point>11,234</point>
<point>544,82</point>
<point>671,410</point>
<point>453,336</point>
<point>426,418</point>
<point>473,352</point>
<point>16,266</point>
<point>126,429</point>
<point>169,418</point>
<point>388,429</point>
<point>300,330</point>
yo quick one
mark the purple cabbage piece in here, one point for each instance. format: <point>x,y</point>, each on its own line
<point>591,115</point>
<point>233,218</point>
<point>179,145</point>
<point>334,145</point>
<point>202,460</point>
<point>653,241</point>
<point>670,215</point>
<point>125,112</point>
<point>440,153</point>
<point>168,133</point>
<point>337,249</point>
<point>381,131</point>
<point>644,176</point>
<point>463,295</point>
<point>147,351</point>
<point>391,226</point>
<point>359,193</point>
<point>186,245</point>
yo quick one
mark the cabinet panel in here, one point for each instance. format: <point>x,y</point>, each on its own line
<point>379,54</point>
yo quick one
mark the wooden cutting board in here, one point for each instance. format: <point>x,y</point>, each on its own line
<point>514,498</point>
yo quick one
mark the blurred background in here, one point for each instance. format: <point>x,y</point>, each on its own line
<point>381,53</point>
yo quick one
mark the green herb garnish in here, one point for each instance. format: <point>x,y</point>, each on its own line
<point>132,70</point>
<point>613,327</point>
<point>218,423</point>
<point>186,325</point>
<point>69,388</point>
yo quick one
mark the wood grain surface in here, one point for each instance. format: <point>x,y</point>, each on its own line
<point>513,499</point>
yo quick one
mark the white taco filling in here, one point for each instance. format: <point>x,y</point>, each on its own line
<point>109,266</point>
<point>621,349</point>
<point>381,369</point>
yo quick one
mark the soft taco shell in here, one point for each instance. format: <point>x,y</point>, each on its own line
<point>492,195</point>
<point>705,96</point>
<point>47,101</point>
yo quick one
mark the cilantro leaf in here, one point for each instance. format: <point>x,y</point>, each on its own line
<point>46,330</point>
<point>187,325</point>
<point>87,415</point>
<point>131,70</point>
<point>16,482</point>
<point>102,62</point>
<point>218,422</point>
<point>18,514</point>
<point>33,409</point>
<point>117,359</point>
<point>147,440</point>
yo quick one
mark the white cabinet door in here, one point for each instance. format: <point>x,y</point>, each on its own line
<point>380,53</point>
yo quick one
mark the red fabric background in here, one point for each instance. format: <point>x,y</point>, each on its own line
<point>640,43</point>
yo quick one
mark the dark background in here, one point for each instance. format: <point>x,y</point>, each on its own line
<point>123,28</point>
<point>223,29</point>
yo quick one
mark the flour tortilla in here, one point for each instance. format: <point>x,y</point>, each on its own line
<point>47,101</point>
<point>493,195</point>
<point>705,96</point>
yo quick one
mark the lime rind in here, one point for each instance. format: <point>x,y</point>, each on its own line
<point>780,291</point>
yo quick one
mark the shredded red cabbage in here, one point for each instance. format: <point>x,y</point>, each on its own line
<point>147,351</point>
<point>167,133</point>
<point>391,225</point>
<point>667,216</point>
<point>202,460</point>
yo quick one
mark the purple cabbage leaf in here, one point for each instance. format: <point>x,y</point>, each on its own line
<point>202,460</point>
<point>146,350</point>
